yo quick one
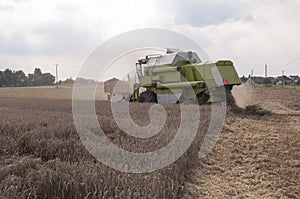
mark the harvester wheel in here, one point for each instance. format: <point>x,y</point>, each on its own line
<point>148,97</point>
<point>202,98</point>
<point>229,97</point>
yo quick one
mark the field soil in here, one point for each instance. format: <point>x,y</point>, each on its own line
<point>257,155</point>
<point>41,155</point>
<point>48,92</point>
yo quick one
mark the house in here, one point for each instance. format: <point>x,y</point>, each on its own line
<point>272,79</point>
<point>284,80</point>
<point>115,86</point>
<point>255,80</point>
<point>296,78</point>
<point>109,85</point>
<point>280,80</point>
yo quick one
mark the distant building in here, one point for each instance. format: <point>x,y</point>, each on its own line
<point>284,80</point>
<point>295,78</point>
<point>280,80</point>
<point>255,80</point>
<point>109,85</point>
<point>272,79</point>
<point>115,86</point>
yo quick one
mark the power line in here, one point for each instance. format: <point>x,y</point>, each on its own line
<point>294,60</point>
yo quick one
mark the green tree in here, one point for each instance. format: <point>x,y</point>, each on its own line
<point>40,79</point>
<point>35,79</point>
<point>7,77</point>
<point>68,81</point>
<point>243,79</point>
<point>20,78</point>
<point>31,80</point>
<point>1,78</point>
<point>13,78</point>
<point>267,81</point>
<point>48,79</point>
<point>37,71</point>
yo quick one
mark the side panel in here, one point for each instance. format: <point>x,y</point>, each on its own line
<point>226,70</point>
<point>228,73</point>
<point>203,71</point>
<point>167,77</point>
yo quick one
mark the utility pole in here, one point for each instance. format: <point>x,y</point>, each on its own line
<point>56,71</point>
<point>252,76</point>
<point>282,72</point>
<point>266,71</point>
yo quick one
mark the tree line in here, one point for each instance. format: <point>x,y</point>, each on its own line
<point>11,78</point>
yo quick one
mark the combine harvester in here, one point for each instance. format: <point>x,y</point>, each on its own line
<point>180,77</point>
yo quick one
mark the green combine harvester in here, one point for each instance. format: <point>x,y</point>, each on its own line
<point>181,77</point>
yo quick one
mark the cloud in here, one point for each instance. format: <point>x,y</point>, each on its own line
<point>6,8</point>
<point>45,28</point>
<point>21,1</point>
<point>53,38</point>
<point>15,43</point>
<point>250,32</point>
<point>64,38</point>
<point>205,12</point>
<point>265,33</point>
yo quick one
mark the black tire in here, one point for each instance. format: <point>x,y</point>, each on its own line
<point>131,98</point>
<point>148,97</point>
<point>229,97</point>
<point>182,100</point>
<point>202,98</point>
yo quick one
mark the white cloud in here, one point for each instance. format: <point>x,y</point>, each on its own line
<point>251,33</point>
<point>269,38</point>
<point>207,12</point>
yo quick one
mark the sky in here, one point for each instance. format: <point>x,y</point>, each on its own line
<point>251,33</point>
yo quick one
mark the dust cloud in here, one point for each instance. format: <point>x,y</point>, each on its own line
<point>243,95</point>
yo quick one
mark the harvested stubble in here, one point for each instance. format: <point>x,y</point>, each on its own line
<point>42,156</point>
